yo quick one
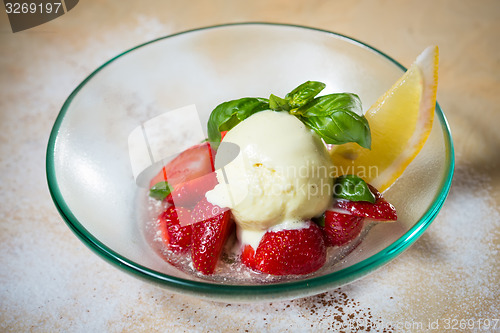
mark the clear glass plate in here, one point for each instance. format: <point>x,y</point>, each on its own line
<point>92,181</point>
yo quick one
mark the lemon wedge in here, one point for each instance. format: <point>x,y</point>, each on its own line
<point>400,123</point>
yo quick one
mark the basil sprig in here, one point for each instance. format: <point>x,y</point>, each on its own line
<point>160,190</point>
<point>352,187</point>
<point>336,118</point>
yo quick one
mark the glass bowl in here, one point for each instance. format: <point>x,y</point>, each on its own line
<point>96,186</point>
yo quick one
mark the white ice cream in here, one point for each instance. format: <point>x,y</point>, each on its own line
<point>280,176</point>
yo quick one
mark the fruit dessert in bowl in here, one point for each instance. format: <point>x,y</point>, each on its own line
<point>274,180</point>
<point>162,164</point>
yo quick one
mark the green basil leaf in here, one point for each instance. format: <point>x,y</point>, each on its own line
<point>337,119</point>
<point>278,104</point>
<point>229,114</point>
<point>352,188</point>
<point>160,190</point>
<point>325,105</point>
<point>341,127</point>
<point>304,93</point>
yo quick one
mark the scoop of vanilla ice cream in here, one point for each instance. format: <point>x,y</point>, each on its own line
<point>281,173</point>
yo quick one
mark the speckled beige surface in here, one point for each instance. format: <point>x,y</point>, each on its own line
<point>49,281</point>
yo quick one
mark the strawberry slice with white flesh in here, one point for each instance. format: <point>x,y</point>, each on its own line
<point>175,236</point>
<point>189,193</point>
<point>210,230</point>
<point>187,177</point>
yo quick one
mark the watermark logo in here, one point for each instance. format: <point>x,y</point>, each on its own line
<point>157,141</point>
<point>26,14</point>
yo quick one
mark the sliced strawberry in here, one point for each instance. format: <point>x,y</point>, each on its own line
<point>380,211</point>
<point>222,135</point>
<point>292,251</point>
<point>176,237</point>
<point>192,163</point>
<point>191,192</point>
<point>210,232</point>
<point>341,228</point>
<point>248,256</point>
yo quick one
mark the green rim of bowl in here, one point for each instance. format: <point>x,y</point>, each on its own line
<point>207,289</point>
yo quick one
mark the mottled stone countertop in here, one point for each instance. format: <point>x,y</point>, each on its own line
<point>49,280</point>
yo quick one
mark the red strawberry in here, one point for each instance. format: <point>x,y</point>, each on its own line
<point>380,211</point>
<point>285,252</point>
<point>175,236</point>
<point>211,228</point>
<point>341,228</point>
<point>189,193</point>
<point>248,256</point>
<point>192,163</point>
<point>222,135</point>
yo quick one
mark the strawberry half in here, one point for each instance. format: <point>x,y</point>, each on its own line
<point>248,256</point>
<point>191,192</point>
<point>341,228</point>
<point>286,252</point>
<point>381,210</point>
<point>210,231</point>
<point>192,163</point>
<point>176,237</point>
